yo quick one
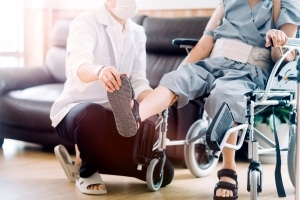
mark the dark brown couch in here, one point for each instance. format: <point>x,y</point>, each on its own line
<point>26,94</point>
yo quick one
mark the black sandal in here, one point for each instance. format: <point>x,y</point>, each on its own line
<point>225,185</point>
<point>127,119</point>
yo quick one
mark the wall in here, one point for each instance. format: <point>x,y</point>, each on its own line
<point>144,4</point>
<point>40,15</point>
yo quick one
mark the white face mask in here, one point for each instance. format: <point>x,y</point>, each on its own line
<point>125,9</point>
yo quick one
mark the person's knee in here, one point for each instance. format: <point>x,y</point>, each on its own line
<point>91,112</point>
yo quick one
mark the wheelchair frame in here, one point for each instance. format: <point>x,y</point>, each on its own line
<point>196,136</point>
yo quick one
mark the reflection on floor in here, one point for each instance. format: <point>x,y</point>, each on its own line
<point>29,172</point>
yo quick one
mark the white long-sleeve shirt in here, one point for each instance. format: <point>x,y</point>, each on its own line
<point>92,39</point>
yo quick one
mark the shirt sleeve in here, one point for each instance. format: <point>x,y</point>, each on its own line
<point>290,13</point>
<point>138,77</point>
<point>80,45</point>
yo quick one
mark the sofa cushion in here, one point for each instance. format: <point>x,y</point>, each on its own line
<point>29,108</point>
<point>59,33</point>
<point>56,54</point>
<point>55,62</point>
<point>14,78</point>
<point>161,31</point>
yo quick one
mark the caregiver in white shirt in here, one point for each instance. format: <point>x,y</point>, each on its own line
<point>101,45</point>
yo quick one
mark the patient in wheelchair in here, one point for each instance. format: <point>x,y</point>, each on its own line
<point>233,57</point>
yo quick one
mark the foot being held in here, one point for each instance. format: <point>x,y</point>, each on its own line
<point>126,116</point>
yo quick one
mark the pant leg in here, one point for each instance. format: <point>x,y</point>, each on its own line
<point>101,147</point>
<point>237,80</point>
<point>189,82</point>
<point>85,125</point>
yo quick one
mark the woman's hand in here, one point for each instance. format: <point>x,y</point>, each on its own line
<point>110,78</point>
<point>276,38</point>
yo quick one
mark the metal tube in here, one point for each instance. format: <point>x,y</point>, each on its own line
<point>297,185</point>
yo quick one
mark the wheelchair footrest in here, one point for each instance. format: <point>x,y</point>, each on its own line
<point>144,141</point>
<point>222,121</point>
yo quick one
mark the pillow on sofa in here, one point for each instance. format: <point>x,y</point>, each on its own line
<point>55,62</point>
<point>60,32</point>
<point>56,55</point>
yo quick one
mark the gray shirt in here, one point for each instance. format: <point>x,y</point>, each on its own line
<point>251,26</point>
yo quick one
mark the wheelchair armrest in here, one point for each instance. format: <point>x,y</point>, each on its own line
<point>187,43</point>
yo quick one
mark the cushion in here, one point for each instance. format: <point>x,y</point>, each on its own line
<point>55,62</point>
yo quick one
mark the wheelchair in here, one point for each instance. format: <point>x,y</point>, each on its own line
<point>202,154</point>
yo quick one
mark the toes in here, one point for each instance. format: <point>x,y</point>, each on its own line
<point>96,187</point>
<point>224,193</point>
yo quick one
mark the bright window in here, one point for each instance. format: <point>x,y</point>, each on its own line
<point>11,33</point>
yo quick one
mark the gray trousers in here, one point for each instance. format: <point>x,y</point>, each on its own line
<point>220,80</point>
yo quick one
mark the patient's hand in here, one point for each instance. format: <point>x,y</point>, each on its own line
<point>276,38</point>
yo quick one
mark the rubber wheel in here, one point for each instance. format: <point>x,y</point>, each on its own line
<point>198,157</point>
<point>291,160</point>
<point>154,176</point>
<point>254,180</point>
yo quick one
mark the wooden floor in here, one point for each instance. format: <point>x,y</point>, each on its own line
<point>29,172</point>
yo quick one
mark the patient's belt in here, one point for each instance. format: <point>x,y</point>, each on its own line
<point>242,52</point>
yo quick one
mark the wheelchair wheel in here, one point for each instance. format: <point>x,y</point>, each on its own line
<point>291,162</point>
<point>254,180</point>
<point>198,157</point>
<point>154,176</point>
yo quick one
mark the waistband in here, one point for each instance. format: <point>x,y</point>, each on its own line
<point>242,52</point>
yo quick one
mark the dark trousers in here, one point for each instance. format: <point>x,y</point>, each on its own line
<point>101,147</point>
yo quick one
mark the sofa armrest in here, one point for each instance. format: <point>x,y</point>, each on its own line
<point>13,78</point>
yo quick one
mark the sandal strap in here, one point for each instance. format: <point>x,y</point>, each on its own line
<point>227,186</point>
<point>135,112</point>
<point>228,173</point>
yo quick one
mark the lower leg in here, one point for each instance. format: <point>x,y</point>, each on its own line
<point>228,163</point>
<point>89,137</point>
<point>229,154</point>
<point>78,160</point>
<point>155,102</point>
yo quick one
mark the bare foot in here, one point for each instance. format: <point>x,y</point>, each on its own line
<point>227,185</point>
<point>96,187</point>
<point>221,192</point>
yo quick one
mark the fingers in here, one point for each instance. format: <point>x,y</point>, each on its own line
<point>276,38</point>
<point>110,79</point>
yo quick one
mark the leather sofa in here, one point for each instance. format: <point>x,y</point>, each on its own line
<point>26,94</point>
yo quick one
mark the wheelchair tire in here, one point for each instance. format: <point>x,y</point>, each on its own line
<point>254,180</point>
<point>154,176</point>
<point>198,157</point>
<point>291,160</point>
